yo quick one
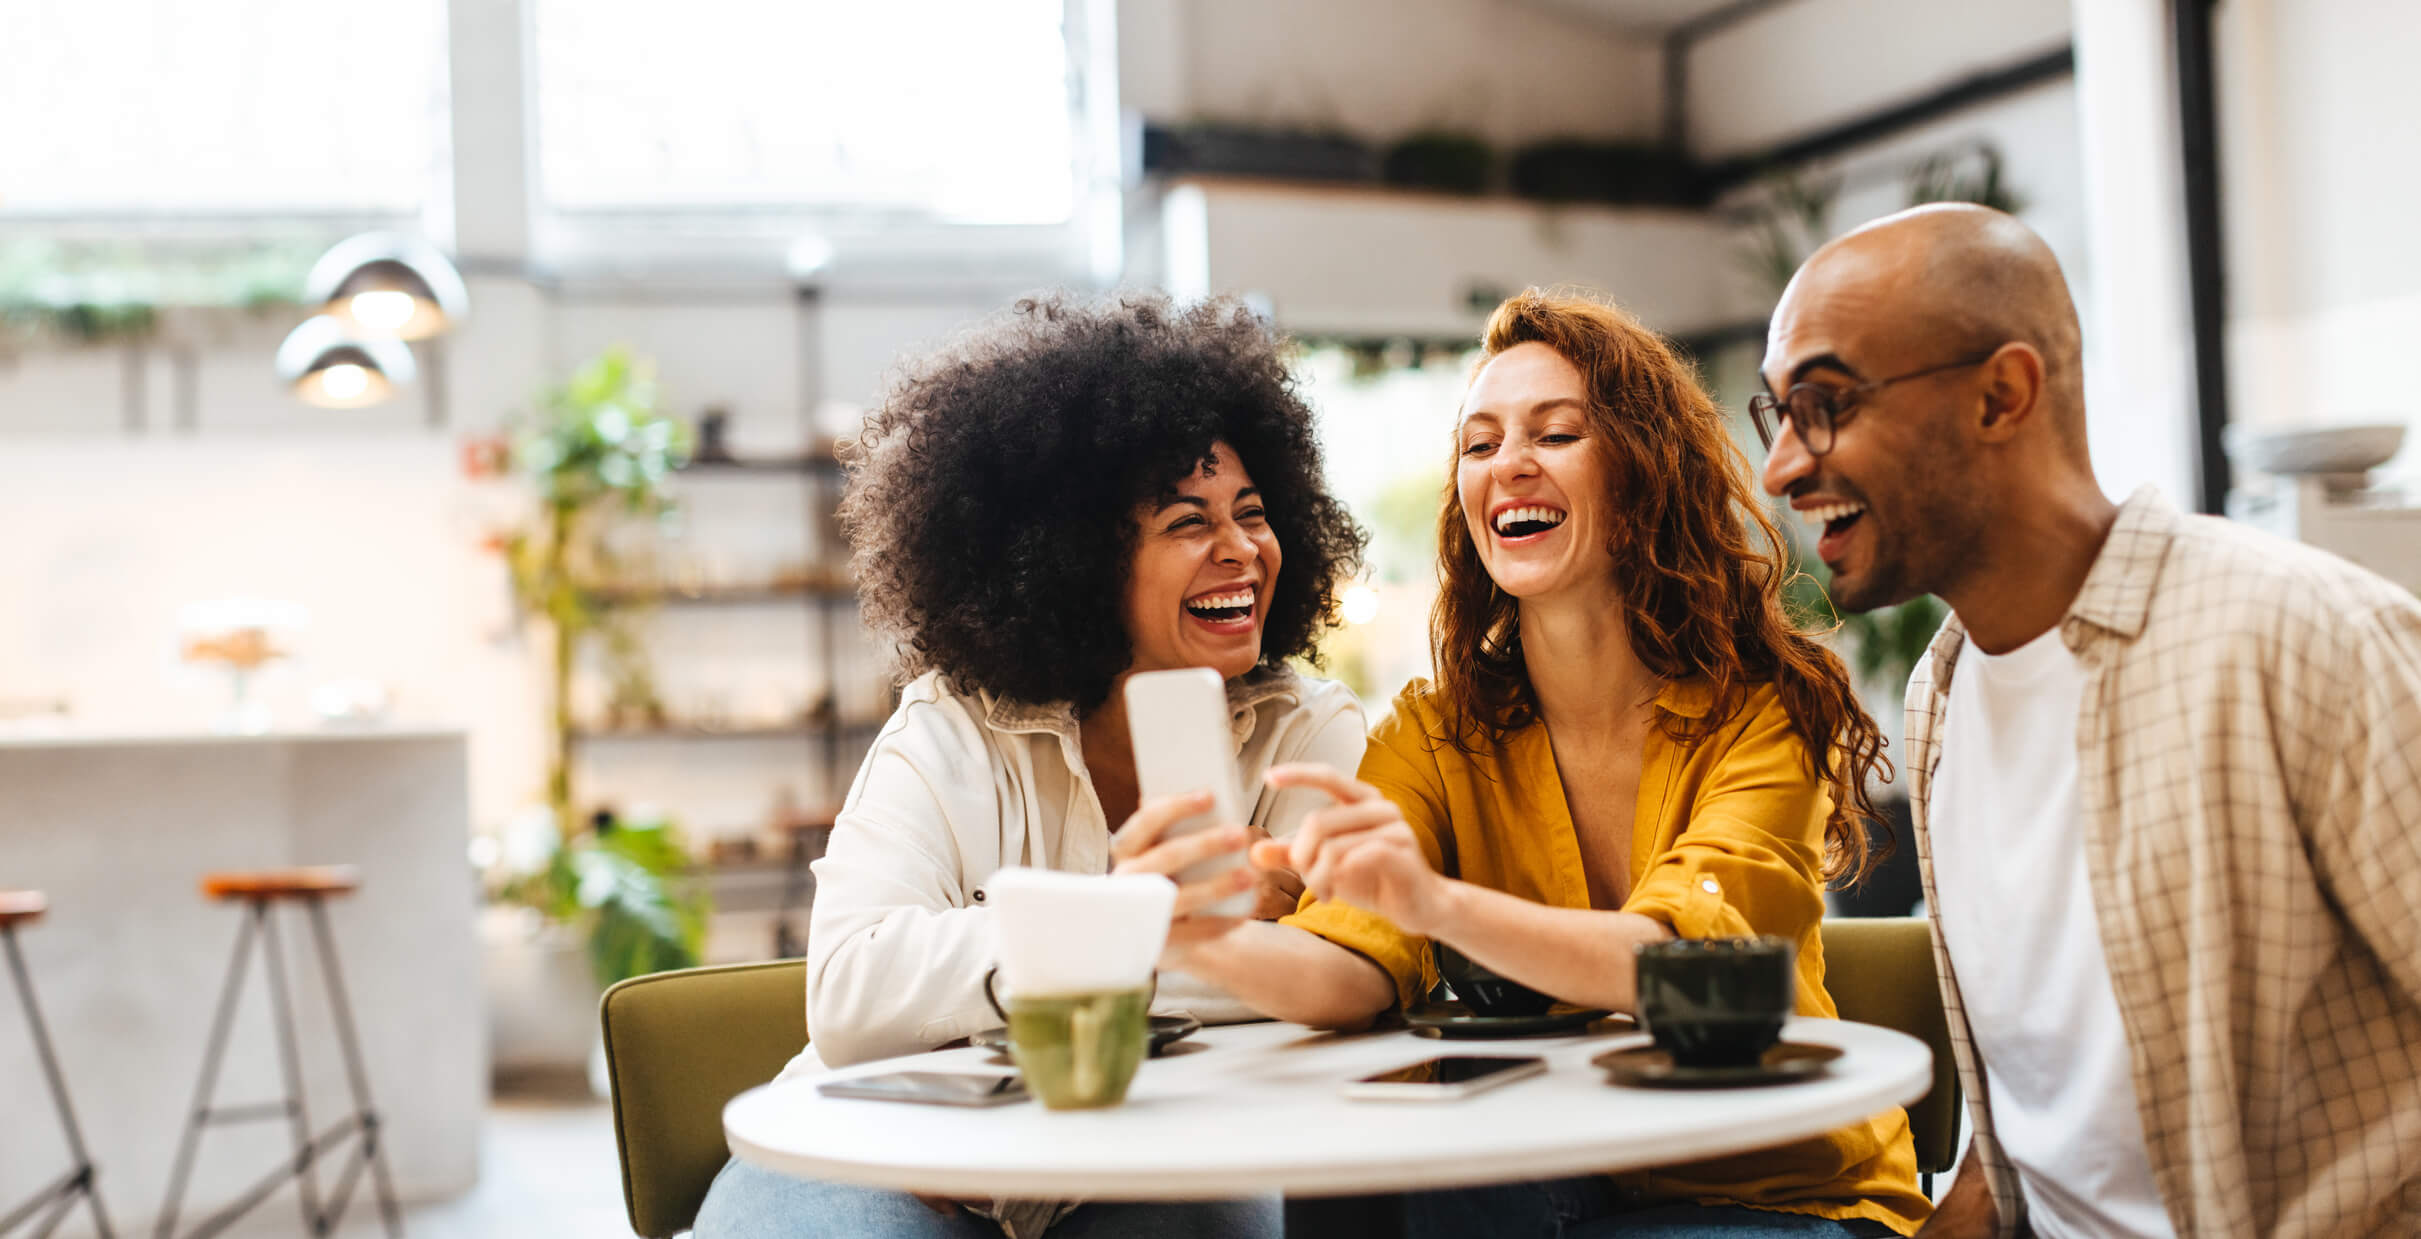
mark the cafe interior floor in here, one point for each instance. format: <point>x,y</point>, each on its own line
<point>546,1167</point>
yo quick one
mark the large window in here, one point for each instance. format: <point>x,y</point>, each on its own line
<point>951,110</point>
<point>184,107</point>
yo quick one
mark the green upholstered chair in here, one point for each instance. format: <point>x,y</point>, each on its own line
<point>678,1046</point>
<point>1880,971</point>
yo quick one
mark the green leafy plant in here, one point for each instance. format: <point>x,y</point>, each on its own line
<point>598,452</point>
<point>1459,163</point>
<point>621,881</point>
<point>1792,219</point>
<point>1884,644</point>
<point>93,292</point>
<point>1947,177</point>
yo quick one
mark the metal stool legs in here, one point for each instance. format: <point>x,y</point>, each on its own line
<point>61,1195</point>
<point>320,1213</point>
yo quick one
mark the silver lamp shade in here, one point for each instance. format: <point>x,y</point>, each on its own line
<point>328,366</point>
<point>387,285</point>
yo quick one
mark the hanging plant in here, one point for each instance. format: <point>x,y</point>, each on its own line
<point>86,293</point>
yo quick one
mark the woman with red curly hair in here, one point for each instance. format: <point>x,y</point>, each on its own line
<point>1628,741</point>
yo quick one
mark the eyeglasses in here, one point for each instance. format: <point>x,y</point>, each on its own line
<point>1815,411</point>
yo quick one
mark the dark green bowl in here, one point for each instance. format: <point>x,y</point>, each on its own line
<point>1717,1002</point>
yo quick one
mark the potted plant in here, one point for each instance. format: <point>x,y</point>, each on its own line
<point>595,456</point>
<point>1615,173</point>
<point>1214,148</point>
<point>619,882</point>
<point>600,451</point>
<point>1455,163</point>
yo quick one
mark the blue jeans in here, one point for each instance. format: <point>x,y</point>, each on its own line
<point>747,1202</point>
<point>1587,1208</point>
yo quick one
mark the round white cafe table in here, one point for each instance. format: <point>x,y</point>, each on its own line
<point>1257,1109</point>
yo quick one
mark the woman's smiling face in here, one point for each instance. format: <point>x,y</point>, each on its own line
<point>1205,564</point>
<point>1529,475</point>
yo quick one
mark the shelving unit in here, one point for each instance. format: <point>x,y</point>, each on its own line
<point>735,595</point>
<point>766,731</point>
<point>836,744</point>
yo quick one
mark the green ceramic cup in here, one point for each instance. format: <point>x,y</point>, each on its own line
<point>1077,1051</point>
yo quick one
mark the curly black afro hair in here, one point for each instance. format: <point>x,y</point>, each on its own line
<point>991,497</point>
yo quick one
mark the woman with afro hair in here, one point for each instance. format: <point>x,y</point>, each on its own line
<point>1081,491</point>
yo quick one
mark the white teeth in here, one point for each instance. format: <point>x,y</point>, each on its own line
<point>1511,515</point>
<point>1221,602</point>
<point>1825,514</point>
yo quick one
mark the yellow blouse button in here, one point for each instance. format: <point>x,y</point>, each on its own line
<point>1708,885</point>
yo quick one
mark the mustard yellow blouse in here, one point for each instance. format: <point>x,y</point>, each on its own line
<point>1728,839</point>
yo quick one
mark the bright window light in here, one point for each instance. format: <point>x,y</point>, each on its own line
<point>950,109</point>
<point>165,107</point>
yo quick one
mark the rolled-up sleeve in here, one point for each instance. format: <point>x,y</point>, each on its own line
<point>1750,861</point>
<point>1398,762</point>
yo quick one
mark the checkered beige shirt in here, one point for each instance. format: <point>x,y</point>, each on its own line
<point>2249,757</point>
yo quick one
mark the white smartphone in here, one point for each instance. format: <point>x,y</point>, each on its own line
<point>1183,743</point>
<point>1449,1078</point>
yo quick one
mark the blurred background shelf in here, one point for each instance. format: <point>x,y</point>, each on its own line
<point>809,463</point>
<point>713,595</point>
<point>753,731</point>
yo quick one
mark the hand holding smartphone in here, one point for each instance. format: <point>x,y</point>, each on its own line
<point>1178,723</point>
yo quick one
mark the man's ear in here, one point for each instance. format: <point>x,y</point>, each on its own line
<point>2012,388</point>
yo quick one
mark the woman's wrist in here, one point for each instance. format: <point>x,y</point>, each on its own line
<point>1451,908</point>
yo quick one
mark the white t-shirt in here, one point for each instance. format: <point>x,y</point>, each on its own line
<point>2017,917</point>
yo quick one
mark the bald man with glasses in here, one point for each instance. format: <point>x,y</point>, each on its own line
<point>2166,771</point>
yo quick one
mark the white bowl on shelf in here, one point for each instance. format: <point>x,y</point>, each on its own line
<point>2290,450</point>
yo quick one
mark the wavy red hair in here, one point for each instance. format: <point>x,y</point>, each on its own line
<point>1699,565</point>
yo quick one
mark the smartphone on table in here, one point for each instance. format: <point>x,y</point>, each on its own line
<point>940,1088</point>
<point>1178,722</point>
<point>1449,1078</point>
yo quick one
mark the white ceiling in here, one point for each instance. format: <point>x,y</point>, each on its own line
<point>1650,17</point>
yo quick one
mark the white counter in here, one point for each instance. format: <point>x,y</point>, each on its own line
<point>129,962</point>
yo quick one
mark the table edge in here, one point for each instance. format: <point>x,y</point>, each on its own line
<point>1913,1081</point>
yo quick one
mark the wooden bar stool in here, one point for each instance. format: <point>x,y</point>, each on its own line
<point>22,908</point>
<point>312,887</point>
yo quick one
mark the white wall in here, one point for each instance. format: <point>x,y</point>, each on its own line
<point>364,518</point>
<point>2035,131</point>
<point>1379,69</point>
<point>2139,340</point>
<point>2320,114</point>
<point>1337,262</point>
<point>1800,67</point>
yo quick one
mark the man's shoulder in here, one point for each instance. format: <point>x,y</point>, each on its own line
<point>2223,577</point>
